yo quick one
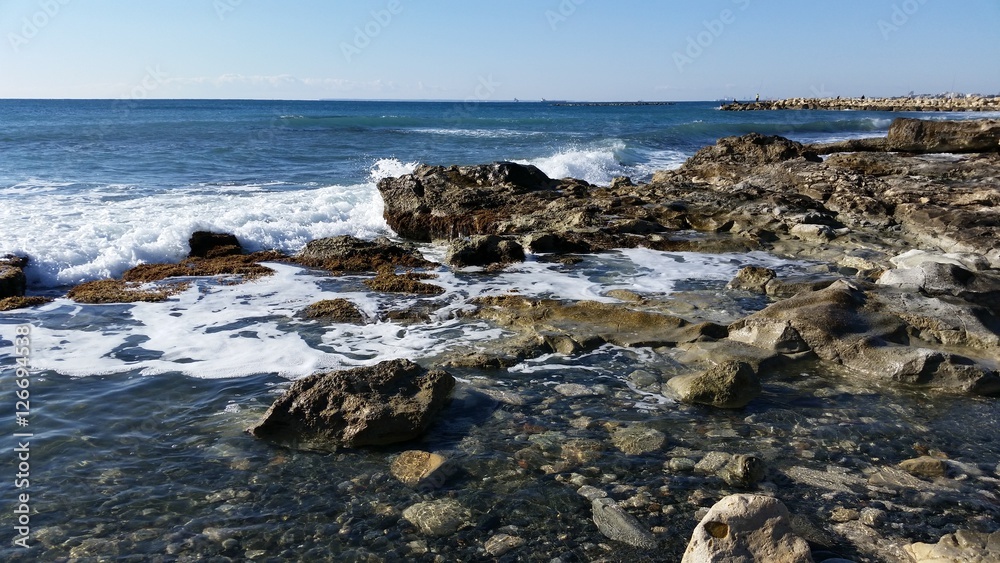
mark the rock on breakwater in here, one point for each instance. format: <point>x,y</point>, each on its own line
<point>908,103</point>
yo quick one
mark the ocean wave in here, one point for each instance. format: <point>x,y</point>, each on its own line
<point>479,133</point>
<point>77,237</point>
<point>601,165</point>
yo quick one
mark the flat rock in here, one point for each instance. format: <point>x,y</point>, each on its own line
<point>438,518</point>
<point>746,529</point>
<point>619,525</point>
<point>925,466</point>
<point>418,468</point>
<point>637,440</point>
<point>484,250</point>
<point>393,401</point>
<point>961,547</point>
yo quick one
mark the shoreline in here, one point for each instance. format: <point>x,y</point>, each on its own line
<point>916,103</point>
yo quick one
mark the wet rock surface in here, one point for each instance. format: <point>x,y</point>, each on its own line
<point>391,402</point>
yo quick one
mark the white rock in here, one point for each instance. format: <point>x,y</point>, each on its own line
<point>745,529</point>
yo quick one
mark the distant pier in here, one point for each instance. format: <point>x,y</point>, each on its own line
<point>915,103</point>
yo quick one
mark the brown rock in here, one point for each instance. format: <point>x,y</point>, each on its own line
<point>391,402</point>
<point>730,385</point>
<point>925,466</point>
<point>923,136</point>
<point>206,244</point>
<point>417,468</point>
<point>334,310</point>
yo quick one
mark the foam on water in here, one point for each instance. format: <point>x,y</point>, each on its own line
<point>75,237</point>
<point>215,330</point>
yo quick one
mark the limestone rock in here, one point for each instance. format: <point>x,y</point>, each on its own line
<point>502,543</point>
<point>925,466</point>
<point>438,518</point>
<point>637,440</point>
<point>206,244</point>
<point>730,385</point>
<point>745,529</point>
<point>418,468</point>
<point>619,525</point>
<point>484,250</point>
<point>391,402</point>
<point>961,547</point>
<point>350,254</point>
<point>334,310</point>
<point>917,135</point>
<point>12,281</point>
<point>752,278</point>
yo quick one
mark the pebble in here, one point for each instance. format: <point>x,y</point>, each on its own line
<point>502,543</point>
<point>621,526</point>
<point>635,440</point>
<point>438,518</point>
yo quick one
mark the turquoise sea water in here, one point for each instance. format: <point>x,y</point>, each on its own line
<point>137,411</point>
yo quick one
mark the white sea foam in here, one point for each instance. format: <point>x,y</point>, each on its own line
<point>76,237</point>
<point>601,165</point>
<point>214,330</point>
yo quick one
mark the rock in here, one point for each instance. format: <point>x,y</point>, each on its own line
<point>621,181</point>
<point>387,280</point>
<point>502,543</point>
<point>621,526</point>
<point>914,257</point>
<point>961,547</point>
<point>777,336</point>
<point>712,463</point>
<point>925,466</point>
<point>743,471</point>
<point>752,278</point>
<point>421,469</point>
<point>946,279</point>
<point>746,528</point>
<point>393,401</point>
<point>814,233</point>
<point>206,244</point>
<point>119,291</point>
<point>438,518</point>
<point>731,156</point>
<point>637,440</point>
<point>924,136</point>
<point>435,202</point>
<point>484,250</point>
<point>334,310</point>
<point>730,385</point>
<point>13,282</point>
<point>844,324</point>
<point>350,254</point>
<point>11,303</point>
<point>574,390</point>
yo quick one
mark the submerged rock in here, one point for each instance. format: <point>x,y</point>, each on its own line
<point>619,525</point>
<point>420,469</point>
<point>730,385</point>
<point>746,528</point>
<point>393,401</point>
<point>438,518</point>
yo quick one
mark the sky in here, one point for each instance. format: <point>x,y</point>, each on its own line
<point>600,50</point>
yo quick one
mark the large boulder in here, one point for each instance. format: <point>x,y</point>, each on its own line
<point>923,136</point>
<point>435,202</point>
<point>391,402</point>
<point>746,529</point>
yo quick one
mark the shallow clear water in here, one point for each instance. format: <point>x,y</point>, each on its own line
<point>138,411</point>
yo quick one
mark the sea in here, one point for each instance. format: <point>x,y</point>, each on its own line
<point>130,426</point>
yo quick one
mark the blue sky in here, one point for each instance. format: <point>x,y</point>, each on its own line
<point>496,50</point>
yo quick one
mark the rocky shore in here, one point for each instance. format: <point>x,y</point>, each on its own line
<point>762,461</point>
<point>909,103</point>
